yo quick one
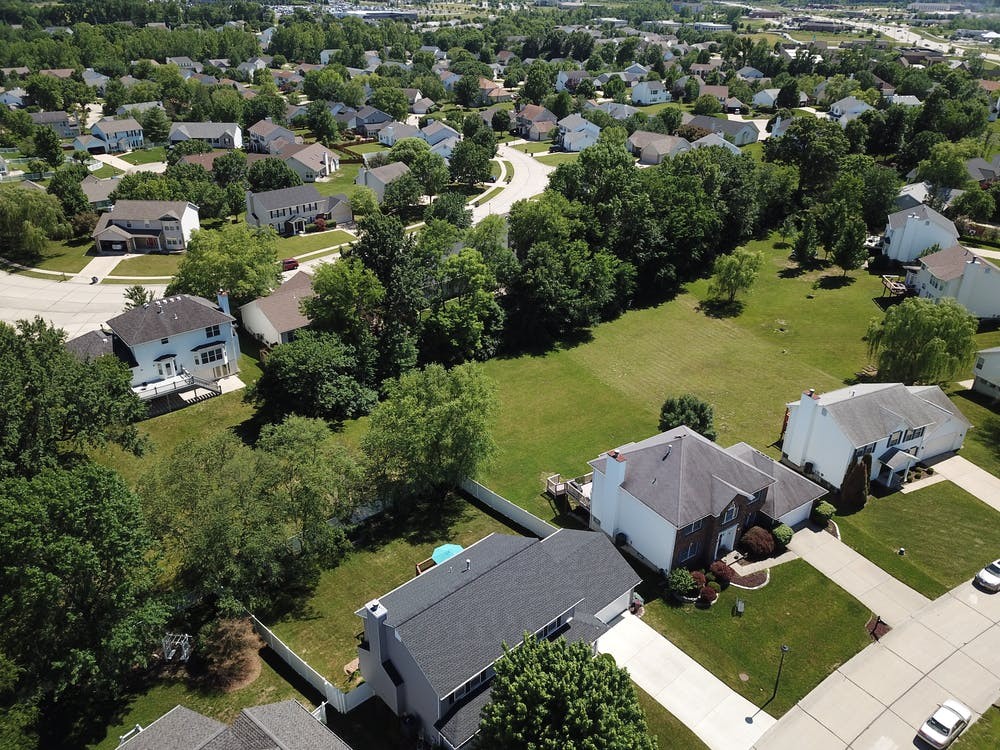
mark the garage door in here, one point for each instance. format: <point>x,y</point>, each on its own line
<point>797,516</point>
<point>938,444</point>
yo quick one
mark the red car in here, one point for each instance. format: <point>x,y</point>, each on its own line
<point>289,264</point>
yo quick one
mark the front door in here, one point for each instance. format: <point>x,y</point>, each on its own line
<point>727,538</point>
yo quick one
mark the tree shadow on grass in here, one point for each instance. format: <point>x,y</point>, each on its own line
<point>792,272</point>
<point>834,281</point>
<point>719,308</point>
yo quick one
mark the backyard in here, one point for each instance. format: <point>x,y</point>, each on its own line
<point>145,156</point>
<point>783,612</point>
<point>948,535</point>
<point>341,182</point>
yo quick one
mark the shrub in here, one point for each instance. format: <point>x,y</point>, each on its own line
<point>714,585</point>
<point>708,595</point>
<point>680,582</point>
<point>228,651</point>
<point>757,542</point>
<point>320,224</point>
<point>823,512</point>
<point>722,572</point>
<point>782,534</point>
<point>699,579</point>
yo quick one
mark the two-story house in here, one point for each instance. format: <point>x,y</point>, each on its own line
<point>650,92</point>
<point>379,178</point>
<point>267,137</point>
<point>395,131</point>
<point>897,425</point>
<point>577,133</point>
<point>531,114</point>
<point>291,210</point>
<point>847,109</point>
<point>430,645</point>
<point>65,125</point>
<point>215,134</point>
<point>679,499</point>
<point>962,274</point>
<point>146,227</point>
<point>368,121</point>
<point>987,372</point>
<point>171,345</point>
<point>310,162</point>
<point>911,231</point>
<point>117,135</point>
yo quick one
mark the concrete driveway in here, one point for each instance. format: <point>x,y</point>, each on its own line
<point>531,177</point>
<point>892,600</point>
<point>970,478</point>
<point>709,707</point>
<point>878,699</point>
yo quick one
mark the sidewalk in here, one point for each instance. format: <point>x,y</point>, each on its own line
<point>892,600</point>
<point>709,707</point>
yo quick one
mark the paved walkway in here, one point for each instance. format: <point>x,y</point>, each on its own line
<point>100,266</point>
<point>970,478</point>
<point>878,699</point>
<point>709,707</point>
<point>892,600</point>
<point>530,178</point>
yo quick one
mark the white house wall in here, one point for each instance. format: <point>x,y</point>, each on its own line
<point>180,345</point>
<point>979,292</point>
<point>189,223</point>
<point>908,242</point>
<point>987,379</point>
<point>256,324</point>
<point>615,608</point>
<point>798,515</point>
<point>648,534</point>
<point>814,438</point>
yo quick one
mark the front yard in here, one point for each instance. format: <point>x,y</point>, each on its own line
<point>948,535</point>
<point>69,256</point>
<point>533,147</point>
<point>289,247</point>
<point>822,625</point>
<point>145,156</point>
<point>150,264</point>
<point>983,735</point>
<point>563,157</point>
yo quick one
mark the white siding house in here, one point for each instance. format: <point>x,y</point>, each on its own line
<point>911,231</point>
<point>987,372</point>
<point>962,274</point>
<point>146,226</point>
<point>650,92</point>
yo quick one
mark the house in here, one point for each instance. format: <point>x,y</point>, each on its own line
<point>617,111</point>
<point>987,372</point>
<point>992,90</point>
<point>904,100</point>
<point>715,140</point>
<point>98,192</point>
<point>749,73</point>
<point>719,93</point>
<point>663,147</point>
<point>577,133</point>
<point>291,210</point>
<point>422,106</point>
<point>97,81</point>
<point>531,114</point>
<point>185,64</point>
<point>568,80</point>
<point>650,92</point>
<point>215,134</point>
<point>430,645</point>
<point>171,345</point>
<point>766,99</point>
<point>138,107</point>
<point>445,148</point>
<point>679,499</point>
<point>982,171</point>
<point>638,140</point>
<point>14,98</point>
<point>146,226</point>
<point>918,193</point>
<point>849,108</point>
<point>896,425</point>
<point>287,725</point>
<point>274,319</point>
<point>379,178</point>
<point>435,132</point>
<point>492,93</point>
<point>909,232</point>
<point>66,126</point>
<point>438,53</point>
<point>368,121</point>
<point>395,131</point>
<point>449,79</point>
<point>267,137</point>
<point>736,132</point>
<point>967,277</point>
<point>310,162</point>
<point>115,136</point>
<point>251,66</point>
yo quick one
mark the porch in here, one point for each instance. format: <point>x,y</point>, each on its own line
<point>578,488</point>
<point>176,384</point>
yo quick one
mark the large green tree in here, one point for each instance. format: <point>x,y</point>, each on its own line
<point>687,409</point>
<point>849,251</point>
<point>271,174</point>
<point>735,273</point>
<point>48,146</point>
<point>28,219</point>
<point>238,258</point>
<point>65,185</point>
<point>815,147</point>
<point>554,695</point>
<point>918,341</point>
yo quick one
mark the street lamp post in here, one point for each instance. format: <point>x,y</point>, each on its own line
<point>781,663</point>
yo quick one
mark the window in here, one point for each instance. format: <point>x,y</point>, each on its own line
<point>691,528</point>
<point>759,496</point>
<point>919,432</point>
<point>979,363</point>
<point>163,341</point>
<point>689,551</point>
<point>863,450</point>
<point>895,437</point>
<point>730,513</point>
<point>212,355</point>
<point>212,331</point>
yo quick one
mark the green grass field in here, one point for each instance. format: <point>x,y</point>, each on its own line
<point>106,170</point>
<point>927,523</point>
<point>69,256</point>
<point>488,195</point>
<point>563,157</point>
<point>783,612</point>
<point>145,156</point>
<point>539,147</point>
<point>342,182</point>
<point>152,264</point>
<point>308,243</point>
<point>670,733</point>
<point>368,148</point>
<point>982,444</point>
<point>983,735</point>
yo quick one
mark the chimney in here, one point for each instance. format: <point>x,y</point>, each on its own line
<point>614,468</point>
<point>222,297</point>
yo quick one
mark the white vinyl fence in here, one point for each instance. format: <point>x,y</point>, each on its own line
<point>507,509</point>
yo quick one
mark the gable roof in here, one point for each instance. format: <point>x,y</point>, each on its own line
<point>922,212</point>
<point>950,263</point>
<point>178,729</point>
<point>97,190</point>
<point>166,317</point>
<point>389,172</point>
<point>512,585</point>
<point>129,210</point>
<point>284,197</point>
<point>111,126</point>
<point>204,129</point>
<point>718,125</point>
<point>535,113</point>
<point>265,127</point>
<point>684,477</point>
<point>790,490</point>
<point>282,307</point>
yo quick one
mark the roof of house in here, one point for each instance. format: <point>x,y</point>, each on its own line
<point>664,144</point>
<point>433,128</point>
<point>683,476</point>
<point>510,585</point>
<point>535,113</point>
<point>204,129</point>
<point>98,191</point>
<point>716,124</point>
<point>284,197</point>
<point>868,412</point>
<point>98,343</point>
<point>313,155</point>
<point>44,118</point>
<point>790,490</point>
<point>178,729</point>
<point>265,127</point>
<point>898,219</point>
<point>282,307</point>
<point>950,263</point>
<point>981,170</point>
<point>111,125</point>
<point>573,122</point>
<point>389,172</point>
<point>139,210</point>
<point>166,317</point>
<point>719,92</point>
<point>640,138</point>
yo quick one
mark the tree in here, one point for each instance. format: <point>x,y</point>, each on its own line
<point>735,273</point>
<point>944,166</point>
<point>614,87</point>
<point>390,100</point>
<point>51,402</point>
<point>815,147</point>
<point>920,341</point>
<point>577,700</point>
<point>706,104</point>
<point>688,410</point>
<point>79,609</point>
<point>271,174</point>
<point>431,171</point>
<point>155,125</point>
<point>975,203</point>
<point>238,258</point>
<point>364,202</point>
<point>451,207</point>
<point>401,193</point>
<point>466,91</point>
<point>48,146</point>
<point>470,163</point>
<point>432,430</point>
<point>806,243</point>
<point>855,486</point>
<point>137,296</point>
<point>314,375</point>
<point>539,81</point>
<point>849,250</point>
<point>788,95</point>
<point>65,185</point>
<point>407,150</point>
<point>230,169</point>
<point>186,148</point>
<point>500,121</point>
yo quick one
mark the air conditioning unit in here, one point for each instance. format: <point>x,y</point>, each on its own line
<point>807,467</point>
<point>621,539</point>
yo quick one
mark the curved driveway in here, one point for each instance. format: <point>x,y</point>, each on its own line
<point>530,178</point>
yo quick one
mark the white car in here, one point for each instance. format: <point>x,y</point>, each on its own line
<point>989,577</point>
<point>945,724</point>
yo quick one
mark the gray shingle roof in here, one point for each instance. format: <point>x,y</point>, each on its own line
<point>166,317</point>
<point>203,129</point>
<point>283,307</point>
<point>950,263</point>
<point>178,729</point>
<point>923,212</point>
<point>389,172</point>
<point>288,726</point>
<point>790,490</point>
<point>293,196</point>
<point>717,125</point>
<point>112,126</point>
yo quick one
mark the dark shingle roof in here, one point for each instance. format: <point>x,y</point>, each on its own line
<point>950,263</point>
<point>790,490</point>
<point>166,317</point>
<point>178,729</point>
<point>283,307</point>
<point>293,196</point>
<point>98,343</point>
<point>461,723</point>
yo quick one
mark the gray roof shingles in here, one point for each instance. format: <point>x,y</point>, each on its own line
<point>790,490</point>
<point>285,197</point>
<point>166,317</point>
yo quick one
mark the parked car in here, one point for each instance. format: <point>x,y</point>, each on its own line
<point>945,724</point>
<point>989,577</point>
<point>289,264</point>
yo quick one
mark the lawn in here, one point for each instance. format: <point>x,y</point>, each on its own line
<point>948,535</point>
<point>982,443</point>
<point>145,156</point>
<point>342,181</point>
<point>786,611</point>
<point>275,683</point>
<point>488,195</point>
<point>563,157</point>
<point>368,148</point>
<point>670,733</point>
<point>756,150</point>
<point>310,243</point>
<point>150,264</point>
<point>69,256</point>
<point>494,168</point>
<point>534,148</point>
<point>983,735</point>
<point>326,635</point>
<point>106,170</point>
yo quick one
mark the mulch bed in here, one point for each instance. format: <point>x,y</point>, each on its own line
<point>831,529</point>
<point>876,627</point>
<point>754,579</point>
